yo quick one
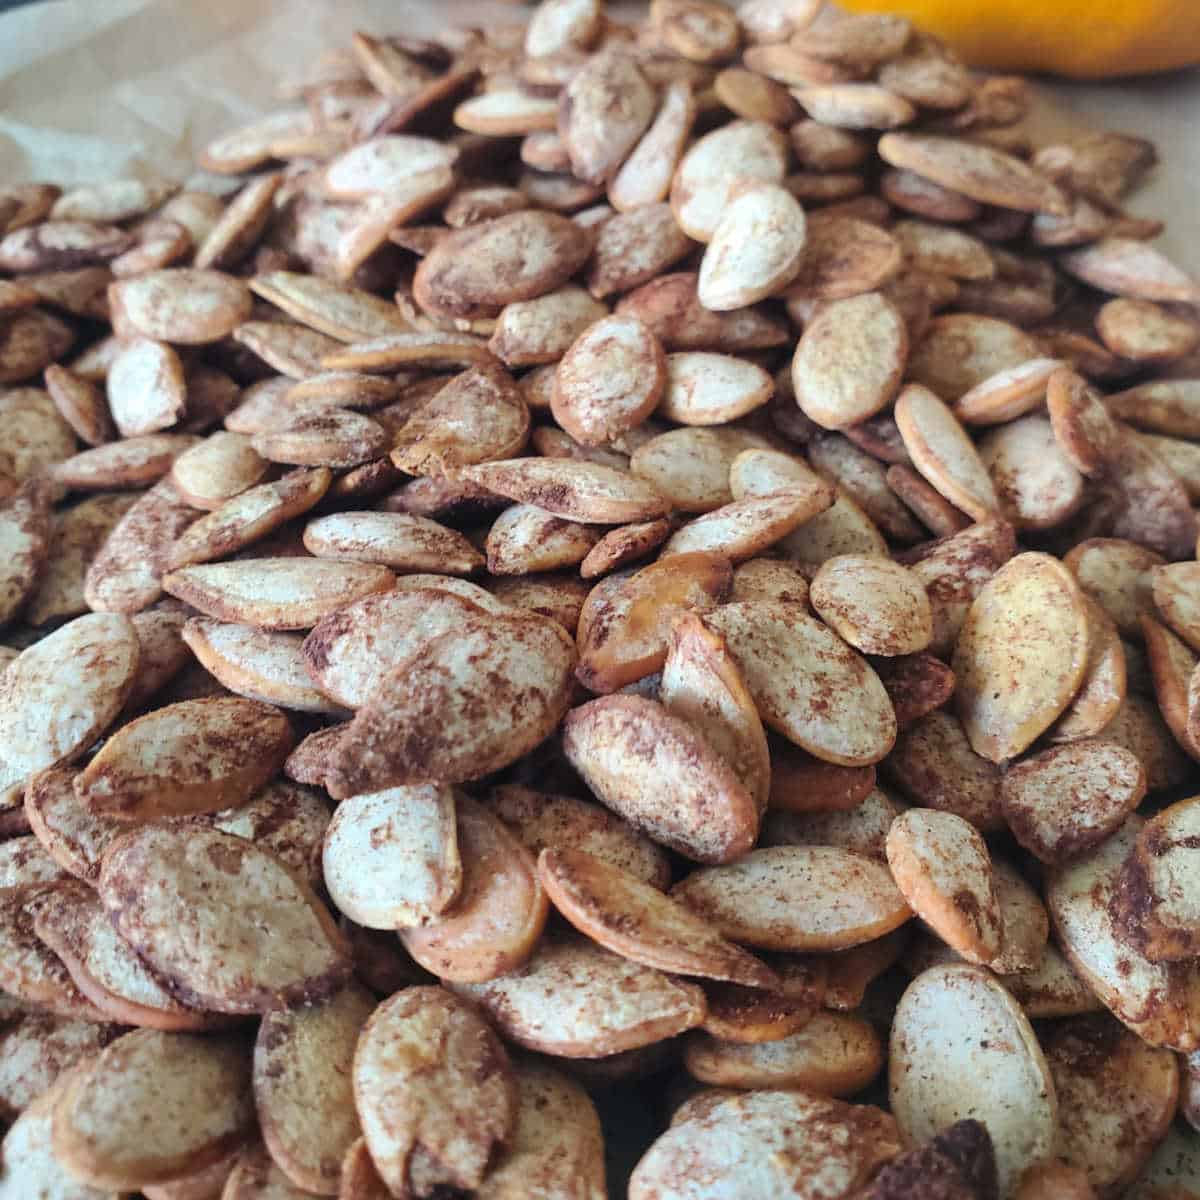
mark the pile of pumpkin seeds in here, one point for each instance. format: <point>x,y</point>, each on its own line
<point>598,561</point>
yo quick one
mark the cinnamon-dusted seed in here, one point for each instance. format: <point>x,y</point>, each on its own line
<point>924,198</point>
<point>855,105</point>
<point>1104,684</point>
<point>529,332</point>
<point>58,245</point>
<point>603,111</point>
<point>1029,615</point>
<point>637,921</point>
<point>775,646</point>
<point>383,164</point>
<point>31,1164</point>
<point>550,821</point>
<point>1009,394</point>
<point>879,607</point>
<point>1116,574</point>
<point>755,250</point>
<point>575,999</point>
<point>249,516</point>
<point>801,783</point>
<point>130,463</point>
<point>396,540</point>
<point>663,776</point>
<point>251,662</point>
<point>798,898</point>
<point>935,766</point>
<point>422,721</point>
<point>742,529</point>
<point>30,341</point>
<point>1170,406</point>
<point>669,305</point>
<point>493,263</point>
<point>81,404</point>
<point>862,479</point>
<point>557,1142</point>
<point>184,306</point>
<point>943,453</point>
<point>337,438</point>
<point>302,1086</point>
<point>750,1016</point>
<point>622,545</point>
<point>633,248</point>
<point>62,692</point>
<point>275,593</point>
<point>1152,999</point>
<point>942,866</point>
<point>841,379</point>
<point>185,899</point>
<point>835,1054</point>
<point>391,858</point>
<point>1130,268</point>
<point>1086,432</point>
<point>580,491</point>
<point>1151,504</point>
<point>292,349</point>
<point>981,172</point>
<point>436,1123</point>
<point>939,1072</point>
<point>351,648</point>
<point>712,168</point>
<point>760,473</point>
<point>1116,1096</point>
<point>154,1106</point>
<point>495,921</point>
<point>525,539</point>
<point>645,176</point>
<point>1036,484</point>
<point>862,829</point>
<point>198,756</point>
<point>754,97</point>
<point>332,308</point>
<point>767,1140</point>
<point>73,924</point>
<point>701,683</point>
<point>691,467</point>
<point>433,350</point>
<point>843,257</point>
<point>40,1049</point>
<point>1144,332</point>
<point>32,975</point>
<point>609,380</point>
<point>1155,903</point>
<point>219,468</point>
<point>917,684</point>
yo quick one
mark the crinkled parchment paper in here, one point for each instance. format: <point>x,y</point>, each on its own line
<point>91,89</point>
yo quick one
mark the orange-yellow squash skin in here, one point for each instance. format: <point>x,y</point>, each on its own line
<point>1082,39</point>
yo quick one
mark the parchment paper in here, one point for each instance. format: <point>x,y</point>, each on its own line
<point>93,89</point>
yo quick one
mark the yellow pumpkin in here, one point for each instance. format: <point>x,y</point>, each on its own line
<point>1084,39</point>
